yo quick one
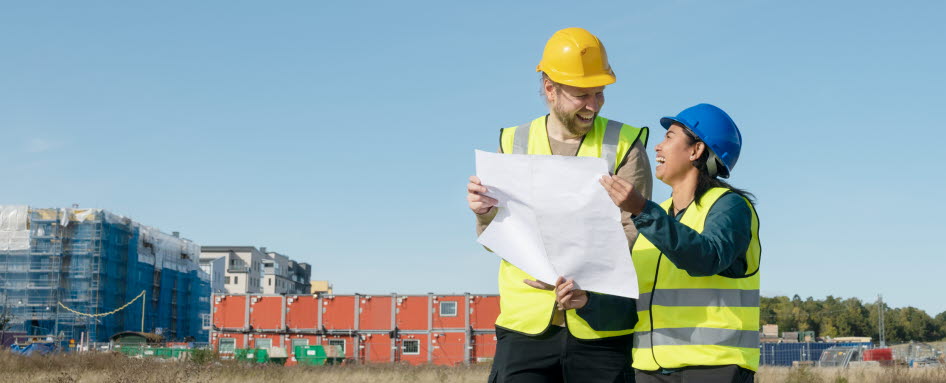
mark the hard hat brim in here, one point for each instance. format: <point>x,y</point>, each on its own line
<point>582,82</point>
<point>667,121</point>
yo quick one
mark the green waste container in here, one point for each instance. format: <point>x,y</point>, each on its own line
<point>252,355</point>
<point>310,355</point>
<point>164,353</point>
<point>130,350</point>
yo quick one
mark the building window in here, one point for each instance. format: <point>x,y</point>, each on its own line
<point>236,280</point>
<point>264,343</point>
<point>227,345</point>
<point>448,309</point>
<point>410,346</point>
<point>228,280</point>
<point>270,282</point>
<point>338,342</point>
<point>299,343</point>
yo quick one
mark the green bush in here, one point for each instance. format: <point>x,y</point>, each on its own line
<point>203,356</point>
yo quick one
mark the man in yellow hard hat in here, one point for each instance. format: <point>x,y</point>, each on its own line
<point>591,341</point>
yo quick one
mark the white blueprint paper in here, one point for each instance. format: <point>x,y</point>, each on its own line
<point>555,219</point>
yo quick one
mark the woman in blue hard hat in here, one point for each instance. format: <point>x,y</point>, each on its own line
<point>697,258</point>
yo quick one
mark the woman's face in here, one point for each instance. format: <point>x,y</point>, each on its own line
<point>675,155</point>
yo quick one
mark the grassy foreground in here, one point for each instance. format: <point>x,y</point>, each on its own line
<point>103,367</point>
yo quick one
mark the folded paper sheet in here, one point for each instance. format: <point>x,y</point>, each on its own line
<point>555,219</point>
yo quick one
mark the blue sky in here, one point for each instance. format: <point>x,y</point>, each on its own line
<point>342,133</point>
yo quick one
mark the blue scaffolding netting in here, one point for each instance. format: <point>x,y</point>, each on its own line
<point>93,262</point>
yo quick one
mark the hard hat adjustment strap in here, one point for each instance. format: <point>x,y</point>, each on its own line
<point>711,164</point>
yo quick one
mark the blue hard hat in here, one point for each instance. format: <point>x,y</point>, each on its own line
<point>714,127</point>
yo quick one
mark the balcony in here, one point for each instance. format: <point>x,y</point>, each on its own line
<point>238,269</point>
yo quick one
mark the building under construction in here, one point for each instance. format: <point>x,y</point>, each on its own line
<point>58,264</point>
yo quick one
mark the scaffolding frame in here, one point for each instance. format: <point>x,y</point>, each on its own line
<point>94,261</point>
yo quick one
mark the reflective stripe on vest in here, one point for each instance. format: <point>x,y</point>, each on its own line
<point>520,142</point>
<point>695,321</point>
<point>528,310</point>
<point>697,336</point>
<point>700,297</point>
<point>609,147</point>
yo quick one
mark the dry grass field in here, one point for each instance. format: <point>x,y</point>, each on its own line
<point>118,368</point>
<point>850,375</point>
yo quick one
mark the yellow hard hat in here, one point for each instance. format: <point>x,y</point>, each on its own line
<point>574,56</point>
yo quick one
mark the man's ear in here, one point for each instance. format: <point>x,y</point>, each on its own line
<point>549,90</point>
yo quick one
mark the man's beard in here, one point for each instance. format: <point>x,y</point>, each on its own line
<point>571,124</point>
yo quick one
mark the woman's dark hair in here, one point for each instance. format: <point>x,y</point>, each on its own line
<point>705,181</point>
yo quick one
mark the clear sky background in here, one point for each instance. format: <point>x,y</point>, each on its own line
<point>342,133</point>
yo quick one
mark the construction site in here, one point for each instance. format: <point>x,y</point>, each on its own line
<point>86,279</point>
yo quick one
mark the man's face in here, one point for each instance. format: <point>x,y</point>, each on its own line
<point>576,108</point>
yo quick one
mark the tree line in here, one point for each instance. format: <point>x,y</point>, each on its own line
<point>838,317</point>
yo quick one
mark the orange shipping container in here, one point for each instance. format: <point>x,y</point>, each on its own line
<point>266,312</point>
<point>302,313</point>
<point>377,348</point>
<point>412,312</point>
<point>374,313</point>
<point>483,312</point>
<point>448,348</point>
<point>232,342</point>
<point>449,311</point>
<point>361,325</point>
<point>229,312</point>
<point>338,312</point>
<point>347,342</point>
<point>484,347</point>
<point>412,348</point>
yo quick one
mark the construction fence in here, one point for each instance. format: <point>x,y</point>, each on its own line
<point>787,354</point>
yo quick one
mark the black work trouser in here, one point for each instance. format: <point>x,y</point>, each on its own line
<point>556,356</point>
<point>699,374</point>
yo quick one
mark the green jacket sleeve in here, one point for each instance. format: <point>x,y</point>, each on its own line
<point>605,312</point>
<point>719,250</point>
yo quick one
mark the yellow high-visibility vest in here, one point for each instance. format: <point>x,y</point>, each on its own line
<point>696,321</point>
<point>528,310</point>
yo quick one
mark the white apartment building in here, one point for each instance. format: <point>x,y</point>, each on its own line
<point>243,267</point>
<point>248,270</point>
